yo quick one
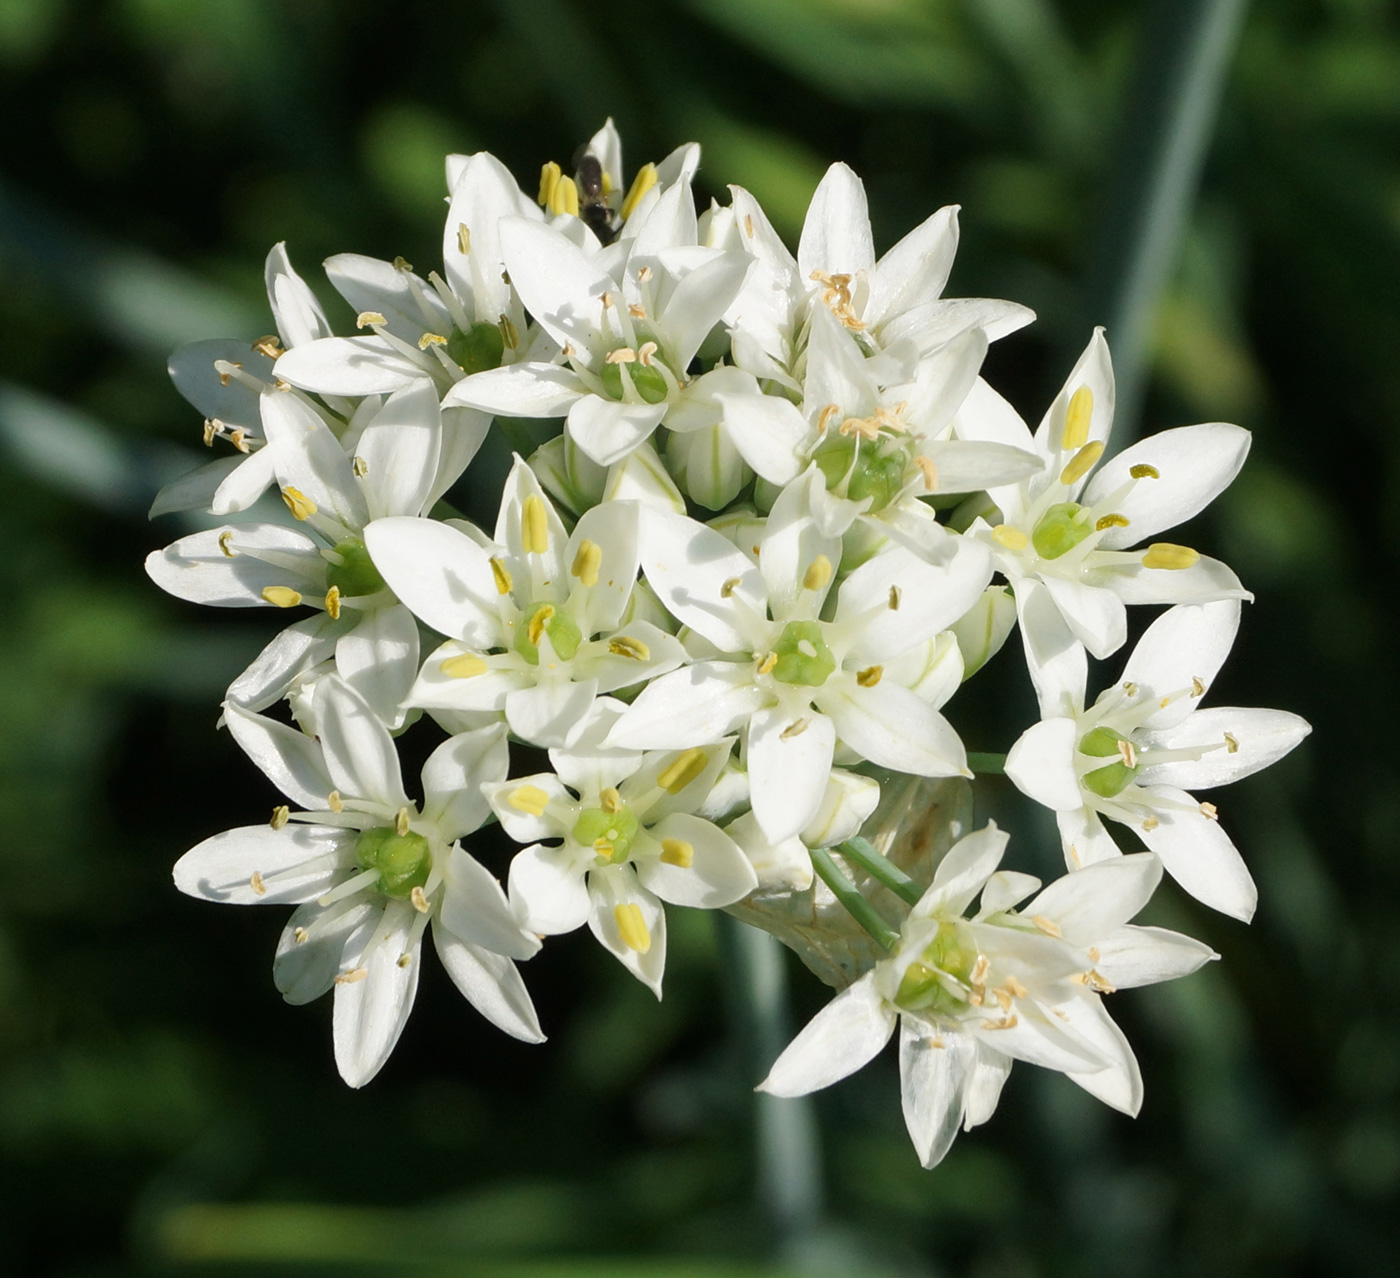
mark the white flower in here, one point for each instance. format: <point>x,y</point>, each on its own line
<point>369,870</point>
<point>1071,532</point>
<point>625,837</point>
<point>533,619</point>
<point>1131,755</point>
<point>974,994</point>
<point>795,682</point>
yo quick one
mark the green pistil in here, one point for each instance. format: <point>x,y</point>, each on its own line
<point>1102,743</point>
<point>609,834</point>
<point>355,573</point>
<point>479,349</point>
<point>403,860</point>
<point>564,634</point>
<point>923,988</point>
<point>646,381</point>
<point>1060,529</point>
<point>873,473</point>
<point>803,656</point>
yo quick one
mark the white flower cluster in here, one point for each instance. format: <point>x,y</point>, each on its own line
<point>730,598</point>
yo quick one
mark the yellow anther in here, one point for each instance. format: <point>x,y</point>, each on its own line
<point>632,927</point>
<point>549,179</point>
<point>271,346</point>
<point>866,427</point>
<point>826,415</point>
<point>1151,824</point>
<point>431,339</point>
<point>603,848</point>
<point>587,561</point>
<point>211,431</point>
<point>626,646</point>
<point>622,355</point>
<point>349,978</point>
<point>333,603</point>
<point>641,184</point>
<point>895,596</point>
<point>467,666</point>
<point>239,439</point>
<point>727,590</point>
<point>401,822</point>
<point>767,662</point>
<point>281,814</point>
<point>980,968</point>
<point>300,935</point>
<point>529,799</point>
<point>1143,471</point>
<point>1130,688</point>
<point>225,377</point>
<point>255,881</point>
<point>677,852</point>
<point>281,596</point>
<point>1011,538</point>
<point>510,335</point>
<point>795,729</point>
<point>464,239</point>
<point>1002,1023</point>
<point>534,526</point>
<point>635,311</point>
<point>930,472</point>
<point>1162,554</point>
<point>1048,926</point>
<point>870,676</point>
<point>1082,462</point>
<point>1232,744</point>
<point>1003,998</point>
<point>1198,687</point>
<point>1210,811</point>
<point>646,352</point>
<point>541,617</point>
<point>419,900</point>
<point>404,959</point>
<point>335,802</point>
<point>818,574</point>
<point>562,194</point>
<point>360,466</point>
<point>686,766</point>
<point>226,544</point>
<point>644,275</point>
<point>370,319</point>
<point>301,506</point>
<point>501,576</point>
<point>610,800</point>
<point>1015,988</point>
<point>1128,753</point>
<point>1079,413</point>
<point>1110,521</point>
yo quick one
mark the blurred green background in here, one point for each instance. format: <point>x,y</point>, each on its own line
<point>161,1110</point>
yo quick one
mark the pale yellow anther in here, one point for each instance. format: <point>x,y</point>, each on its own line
<point>529,799</point>
<point>1082,462</point>
<point>431,339</point>
<point>1015,988</point>
<point>929,471</point>
<point>870,676</point>
<point>1093,953</point>
<point>731,584</point>
<point>401,822</point>
<point>682,770</point>
<point>464,239</point>
<point>402,263</point>
<point>895,596</point>
<point>646,352</point>
<point>677,852</point>
<point>980,968</point>
<point>826,415</point>
<point>255,881</point>
<point>349,978</point>
<point>641,184</point>
<point>795,729</point>
<point>632,927</point>
<point>281,814</point>
<point>1163,554</point>
<point>1076,861</point>
<point>622,355</point>
<point>466,666</point>
<point>1002,1023</point>
<point>1210,812</point>
<point>239,439</point>
<point>818,574</point>
<point>271,346</point>
<point>1011,538</point>
<point>510,335</point>
<point>549,178</point>
<point>370,319</point>
<point>1048,926</point>
<point>300,935</point>
<point>1092,980</point>
<point>501,576</point>
<point>360,466</point>
<point>419,900</point>
<point>404,959</point>
<point>587,560</point>
<point>1105,522</point>
<point>644,275</point>
<point>767,662</point>
<point>281,596</point>
<point>1143,471</point>
<point>335,802</point>
<point>301,506</point>
<point>543,615</point>
<point>867,428</point>
<point>1130,688</point>
<point>1128,753</point>
<point>226,544</point>
<point>1198,687</point>
<point>211,431</point>
<point>1003,998</point>
<point>610,800</point>
<point>1079,412</point>
<point>333,603</point>
<point>534,526</point>
<point>627,646</point>
<point>225,376</point>
<point>1232,744</point>
<point>1151,824</point>
<point>635,311</point>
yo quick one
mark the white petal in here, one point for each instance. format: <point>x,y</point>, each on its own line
<point>292,761</point>
<point>617,886</point>
<point>559,284</point>
<point>1094,370</point>
<point>966,466</point>
<point>310,459</point>
<point>1095,616</point>
<point>960,876</point>
<point>199,569</point>
<point>463,432</point>
<point>1185,643</point>
<point>983,629</point>
<point>1260,737</point>
<point>1120,1083</point>
<point>379,659</point>
<point>348,366</point>
<point>914,270</point>
<point>521,822</point>
<point>370,1013</point>
<point>784,864</point>
<point>291,653</point>
<point>608,430</point>
<point>768,431</point>
<point>221,398</point>
<point>298,314</point>
<point>359,751</point>
<point>699,302</point>
<point>696,705</point>
<point>847,802</point>
<point>483,193</point>
<point>989,1074</point>
<point>475,909</point>
<point>836,234</point>
<point>453,776</point>
<point>588,766</point>
<point>1005,890</point>
<point>245,483</point>
<point>846,1034</point>
<point>519,390</point>
<point>788,769</point>
<point>441,574</point>
<point>370,284</point>
<point>1199,855</point>
<point>435,689</point>
<point>491,983</point>
<point>597,661</point>
<point>1134,956</point>
<point>1084,839</point>
<point>1041,1040</point>
<point>1057,662</point>
<point>196,489</point>
<point>1206,580</point>
<point>399,452</point>
<point>294,864</point>
<point>934,1071</point>
<point>1099,899</point>
<point>547,886</point>
<point>718,875</point>
<point>895,728</point>
<point>613,528</point>
<point>791,544</point>
<point>550,714</point>
<point>1041,764</point>
<point>306,968</point>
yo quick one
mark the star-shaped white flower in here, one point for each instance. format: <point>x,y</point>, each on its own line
<point>1132,754</point>
<point>368,870</point>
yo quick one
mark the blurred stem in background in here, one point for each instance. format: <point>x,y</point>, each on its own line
<point>1185,48</point>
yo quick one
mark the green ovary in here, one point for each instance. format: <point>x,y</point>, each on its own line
<point>803,656</point>
<point>355,573</point>
<point>564,634</point>
<point>403,860</point>
<point>646,381</point>
<point>876,475</point>
<point>479,349</point>
<point>609,834</point>
<point>1106,782</point>
<point>923,988</point>
<point>1060,529</point>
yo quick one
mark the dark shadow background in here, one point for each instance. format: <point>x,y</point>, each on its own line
<point>161,1110</point>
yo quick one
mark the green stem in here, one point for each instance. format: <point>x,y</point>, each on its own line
<point>854,904</point>
<point>863,853</point>
<point>995,764</point>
